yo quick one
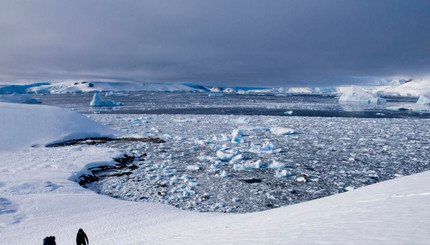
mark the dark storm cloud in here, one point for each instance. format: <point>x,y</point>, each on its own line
<point>220,42</point>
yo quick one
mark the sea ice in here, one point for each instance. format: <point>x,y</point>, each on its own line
<point>266,148</point>
<point>282,131</point>
<point>282,173</point>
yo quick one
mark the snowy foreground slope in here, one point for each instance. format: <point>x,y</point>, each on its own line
<point>38,199</point>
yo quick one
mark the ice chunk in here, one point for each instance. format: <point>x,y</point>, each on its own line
<point>193,167</point>
<point>276,164</point>
<point>358,95</point>
<point>249,165</point>
<point>224,174</point>
<point>423,100</point>
<point>282,173</point>
<point>266,148</point>
<point>97,101</point>
<point>282,131</point>
<point>236,136</point>
<point>236,159</point>
<point>227,154</point>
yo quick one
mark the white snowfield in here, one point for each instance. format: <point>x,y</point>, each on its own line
<point>38,198</point>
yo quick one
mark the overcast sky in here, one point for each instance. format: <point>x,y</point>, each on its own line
<point>242,42</point>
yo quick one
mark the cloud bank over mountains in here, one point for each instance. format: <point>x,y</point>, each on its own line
<point>285,43</point>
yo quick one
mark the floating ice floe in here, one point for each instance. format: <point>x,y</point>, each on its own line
<point>250,165</point>
<point>276,164</point>
<point>282,131</point>
<point>266,148</point>
<point>97,101</point>
<point>358,95</point>
<point>237,159</point>
<point>283,173</point>
<point>227,154</point>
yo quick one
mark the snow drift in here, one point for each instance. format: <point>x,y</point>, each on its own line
<point>26,125</point>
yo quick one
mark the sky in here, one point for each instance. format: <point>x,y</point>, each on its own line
<point>240,42</point>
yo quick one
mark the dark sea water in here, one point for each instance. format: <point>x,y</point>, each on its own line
<point>232,104</point>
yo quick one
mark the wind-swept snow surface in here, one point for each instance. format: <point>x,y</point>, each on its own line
<point>37,199</point>
<point>25,125</point>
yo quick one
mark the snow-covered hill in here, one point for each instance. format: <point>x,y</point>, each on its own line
<point>91,86</point>
<point>37,199</point>
<point>390,88</point>
<point>24,125</point>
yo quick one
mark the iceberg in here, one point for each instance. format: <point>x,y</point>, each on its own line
<point>358,95</point>
<point>423,100</point>
<point>97,101</point>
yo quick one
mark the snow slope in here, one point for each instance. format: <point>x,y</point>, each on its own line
<point>37,199</point>
<point>91,86</point>
<point>26,125</point>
